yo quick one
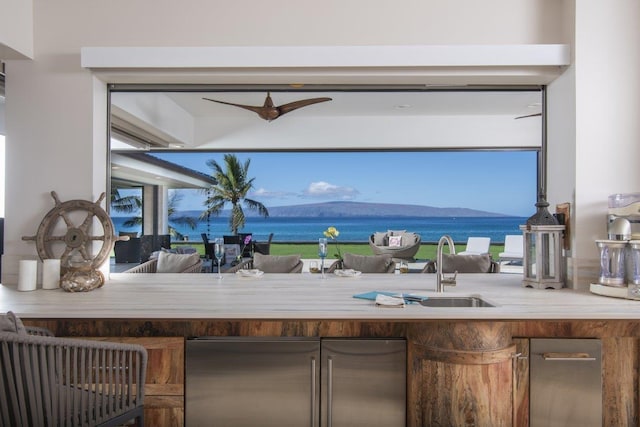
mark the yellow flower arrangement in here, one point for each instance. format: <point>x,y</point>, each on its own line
<point>333,233</point>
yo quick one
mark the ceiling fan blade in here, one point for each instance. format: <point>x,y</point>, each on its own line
<point>285,108</point>
<point>270,112</point>
<point>528,115</point>
<point>255,109</point>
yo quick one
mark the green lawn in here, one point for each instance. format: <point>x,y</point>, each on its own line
<point>310,250</point>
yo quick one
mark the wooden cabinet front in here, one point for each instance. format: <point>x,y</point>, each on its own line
<point>165,393</point>
<point>462,374</point>
<point>164,388</point>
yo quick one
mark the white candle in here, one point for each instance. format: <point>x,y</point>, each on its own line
<point>51,274</point>
<point>27,275</point>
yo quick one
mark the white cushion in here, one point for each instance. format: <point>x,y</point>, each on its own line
<point>175,263</point>
<point>231,251</point>
<point>380,238</point>
<point>275,263</point>
<point>367,263</point>
<point>396,232</point>
<point>395,241</point>
<point>11,323</point>
<point>408,239</point>
<point>466,263</point>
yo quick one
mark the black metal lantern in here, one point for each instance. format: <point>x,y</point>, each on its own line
<point>543,242</point>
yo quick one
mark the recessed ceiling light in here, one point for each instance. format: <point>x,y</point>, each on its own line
<point>402,106</point>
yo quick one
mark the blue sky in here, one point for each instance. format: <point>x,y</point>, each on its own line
<point>494,181</point>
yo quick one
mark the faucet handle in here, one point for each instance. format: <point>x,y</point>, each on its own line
<point>451,281</point>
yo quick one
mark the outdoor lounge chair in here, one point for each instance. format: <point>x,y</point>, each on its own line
<point>50,381</point>
<point>477,246</point>
<point>238,239</point>
<point>398,244</point>
<point>513,248</point>
<point>209,248</point>
<point>364,263</point>
<point>263,247</point>
<point>170,263</point>
<point>127,250</point>
<point>271,264</point>
<point>456,263</point>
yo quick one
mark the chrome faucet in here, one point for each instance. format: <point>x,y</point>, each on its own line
<point>440,279</point>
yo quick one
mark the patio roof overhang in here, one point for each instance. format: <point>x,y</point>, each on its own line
<point>140,169</point>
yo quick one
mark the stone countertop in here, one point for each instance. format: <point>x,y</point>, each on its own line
<point>308,297</point>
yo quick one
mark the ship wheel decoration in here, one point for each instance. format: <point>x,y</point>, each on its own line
<point>68,232</point>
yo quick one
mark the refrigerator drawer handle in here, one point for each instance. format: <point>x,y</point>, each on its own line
<point>329,391</point>
<point>313,392</point>
<point>577,357</point>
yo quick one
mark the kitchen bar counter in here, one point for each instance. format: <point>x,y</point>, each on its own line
<point>308,297</point>
<point>474,345</point>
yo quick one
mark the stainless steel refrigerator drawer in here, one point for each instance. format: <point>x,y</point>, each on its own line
<point>566,382</point>
<point>295,382</point>
<point>252,383</point>
<point>363,383</point>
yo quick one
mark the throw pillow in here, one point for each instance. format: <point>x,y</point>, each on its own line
<point>380,238</point>
<point>395,241</point>
<point>396,232</point>
<point>367,263</point>
<point>11,323</point>
<point>466,263</point>
<point>231,251</point>
<point>275,263</point>
<point>175,263</point>
<point>408,239</point>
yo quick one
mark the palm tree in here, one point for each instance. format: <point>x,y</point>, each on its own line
<point>172,204</point>
<point>131,204</point>
<point>232,186</point>
<point>126,204</point>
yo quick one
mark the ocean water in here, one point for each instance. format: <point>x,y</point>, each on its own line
<point>354,229</point>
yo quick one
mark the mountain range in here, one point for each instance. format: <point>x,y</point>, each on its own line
<point>361,209</point>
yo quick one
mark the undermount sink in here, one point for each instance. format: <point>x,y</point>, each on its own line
<point>455,302</point>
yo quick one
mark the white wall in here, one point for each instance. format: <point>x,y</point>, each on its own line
<point>561,147</point>
<point>2,126</point>
<point>593,126</point>
<point>607,88</point>
<point>292,23</point>
<point>55,131</point>
<point>2,163</point>
<point>16,29</point>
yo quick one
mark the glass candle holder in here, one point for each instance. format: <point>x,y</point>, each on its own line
<point>322,253</point>
<point>322,247</point>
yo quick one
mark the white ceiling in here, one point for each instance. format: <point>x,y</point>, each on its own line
<point>442,103</point>
<point>201,124</point>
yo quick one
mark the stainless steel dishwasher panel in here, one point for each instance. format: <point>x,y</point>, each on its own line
<point>363,383</point>
<point>566,382</point>
<point>252,382</point>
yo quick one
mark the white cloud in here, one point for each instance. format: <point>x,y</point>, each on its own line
<point>263,193</point>
<point>325,190</point>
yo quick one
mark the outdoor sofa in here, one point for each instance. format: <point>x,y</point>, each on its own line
<point>397,243</point>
